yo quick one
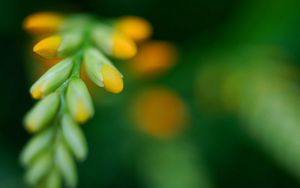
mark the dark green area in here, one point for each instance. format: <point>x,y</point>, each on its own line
<point>201,29</point>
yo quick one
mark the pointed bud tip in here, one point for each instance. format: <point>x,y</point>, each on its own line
<point>48,47</point>
<point>112,79</point>
<point>36,93</point>
<point>123,47</point>
<point>30,126</point>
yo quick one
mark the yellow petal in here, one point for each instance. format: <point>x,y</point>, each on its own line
<point>123,47</point>
<point>134,27</point>
<point>48,47</point>
<point>43,22</point>
<point>112,79</point>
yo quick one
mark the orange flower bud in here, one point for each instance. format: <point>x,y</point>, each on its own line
<point>112,79</point>
<point>48,47</point>
<point>123,47</point>
<point>134,27</point>
<point>42,23</point>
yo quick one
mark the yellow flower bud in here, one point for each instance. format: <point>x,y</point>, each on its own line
<point>48,47</point>
<point>42,23</point>
<point>42,113</point>
<point>52,79</point>
<point>123,47</point>
<point>92,61</point>
<point>79,101</point>
<point>134,27</point>
<point>101,71</point>
<point>112,79</point>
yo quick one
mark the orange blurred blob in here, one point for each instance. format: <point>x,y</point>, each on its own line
<point>43,22</point>
<point>153,58</point>
<point>123,47</point>
<point>134,27</point>
<point>159,112</point>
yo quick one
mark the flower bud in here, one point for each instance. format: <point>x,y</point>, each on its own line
<point>101,71</point>
<point>53,180</point>
<point>112,79</point>
<point>52,79</point>
<point>93,60</point>
<point>39,168</point>
<point>42,113</point>
<point>48,47</point>
<point>136,28</point>
<point>101,36</point>
<point>79,101</point>
<point>36,145</point>
<point>42,23</point>
<point>122,47</point>
<point>74,137</point>
<point>66,165</point>
<point>114,43</point>
<point>70,43</point>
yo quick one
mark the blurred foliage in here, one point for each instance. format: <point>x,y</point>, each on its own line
<point>237,74</point>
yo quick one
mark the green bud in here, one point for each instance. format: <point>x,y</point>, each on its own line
<point>79,101</point>
<point>66,165</point>
<point>52,79</point>
<point>70,42</point>
<point>53,179</point>
<point>39,168</point>
<point>74,137</point>
<point>36,145</point>
<point>101,36</point>
<point>93,59</point>
<point>42,113</point>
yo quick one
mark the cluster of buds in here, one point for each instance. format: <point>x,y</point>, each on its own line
<point>65,102</point>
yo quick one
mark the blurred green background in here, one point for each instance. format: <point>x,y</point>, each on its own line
<point>237,74</point>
